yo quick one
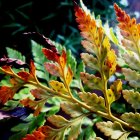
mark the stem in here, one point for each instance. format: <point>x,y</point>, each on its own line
<point>72,99</point>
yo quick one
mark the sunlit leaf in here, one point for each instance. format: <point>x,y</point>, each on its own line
<point>132,98</point>
<point>90,61</point>
<point>94,101</point>
<point>110,96</point>
<point>132,76</point>
<point>69,76</point>
<point>132,119</point>
<point>110,64</point>
<point>105,49</point>
<point>91,81</point>
<point>115,90</point>
<point>113,130</point>
<point>62,59</point>
<point>132,60</point>
<point>109,32</point>
<point>129,29</point>
<point>58,86</point>
<point>74,110</point>
<point>75,129</point>
<point>58,121</point>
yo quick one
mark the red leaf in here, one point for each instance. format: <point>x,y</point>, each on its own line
<point>24,75</point>
<point>32,68</point>
<point>54,56</point>
<point>121,15</point>
<point>6,93</point>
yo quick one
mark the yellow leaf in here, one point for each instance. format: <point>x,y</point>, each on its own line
<point>69,76</point>
<point>58,86</point>
<point>110,64</point>
<point>110,96</point>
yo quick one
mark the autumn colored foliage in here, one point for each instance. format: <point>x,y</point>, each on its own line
<point>83,98</point>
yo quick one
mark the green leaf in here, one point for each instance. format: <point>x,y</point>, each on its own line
<point>113,130</point>
<point>36,122</point>
<point>91,81</point>
<point>39,60</point>
<point>71,61</point>
<point>132,59</point>
<point>91,99</point>
<point>19,127</point>
<point>58,121</point>
<point>89,133</point>
<point>132,98</point>
<point>80,68</point>
<point>19,135</point>
<point>72,109</point>
<point>15,54</point>
<point>132,119</point>
<point>22,94</point>
<point>90,61</point>
<point>132,76</point>
<point>30,124</point>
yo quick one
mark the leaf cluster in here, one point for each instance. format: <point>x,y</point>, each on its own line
<point>66,100</point>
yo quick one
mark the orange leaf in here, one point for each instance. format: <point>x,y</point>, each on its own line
<point>86,24</point>
<point>127,24</point>
<point>62,59</point>
<point>6,93</point>
<point>36,135</point>
<point>35,105</point>
<point>69,75</point>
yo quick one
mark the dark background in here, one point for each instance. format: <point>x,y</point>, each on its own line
<point>53,18</point>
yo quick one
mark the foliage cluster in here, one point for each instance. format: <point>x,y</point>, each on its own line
<point>65,100</point>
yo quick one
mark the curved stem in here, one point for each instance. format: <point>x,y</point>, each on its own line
<point>72,99</point>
